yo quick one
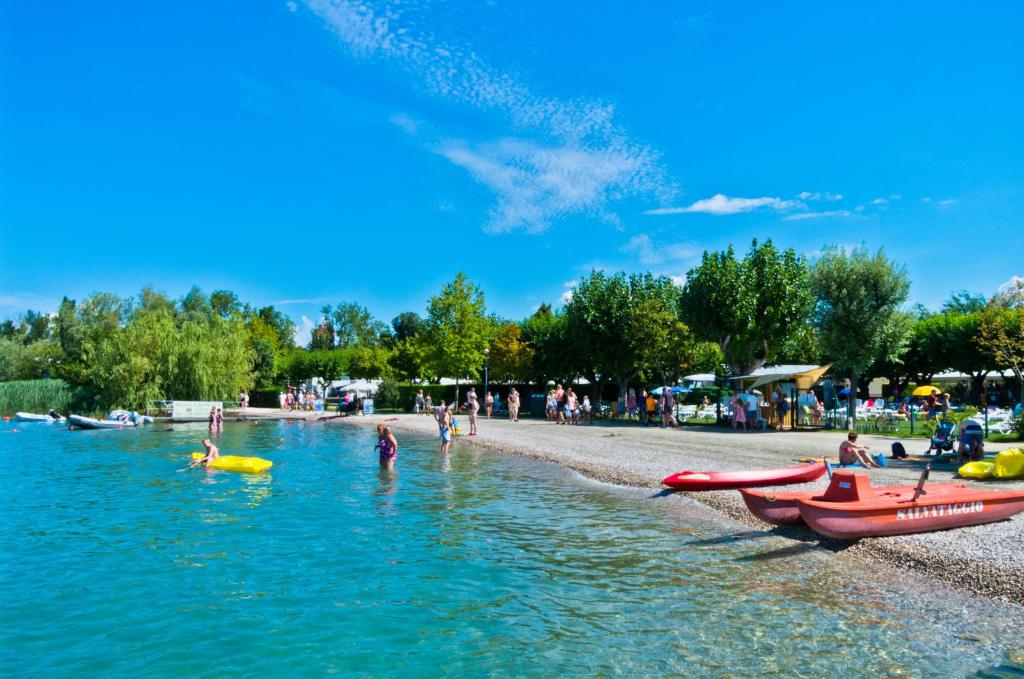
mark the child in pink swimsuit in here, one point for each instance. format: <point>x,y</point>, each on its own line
<point>388,446</point>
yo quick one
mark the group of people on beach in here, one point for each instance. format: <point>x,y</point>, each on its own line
<point>565,407</point>
<point>646,407</point>
<point>424,405</point>
<point>303,400</point>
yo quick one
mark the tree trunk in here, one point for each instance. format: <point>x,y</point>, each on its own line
<point>851,398</point>
<point>977,382</point>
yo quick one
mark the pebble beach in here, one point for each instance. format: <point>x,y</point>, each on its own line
<point>986,560</point>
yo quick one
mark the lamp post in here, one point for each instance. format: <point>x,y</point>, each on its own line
<point>487,365</point>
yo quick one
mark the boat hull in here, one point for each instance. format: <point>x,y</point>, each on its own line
<point>783,509</point>
<point>702,481</point>
<point>885,517</point>
<point>35,417</point>
<point>82,422</point>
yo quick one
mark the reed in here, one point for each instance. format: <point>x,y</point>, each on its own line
<point>34,396</point>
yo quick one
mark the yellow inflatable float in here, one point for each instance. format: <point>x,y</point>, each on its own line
<point>238,463</point>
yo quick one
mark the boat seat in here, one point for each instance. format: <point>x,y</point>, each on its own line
<point>849,487</point>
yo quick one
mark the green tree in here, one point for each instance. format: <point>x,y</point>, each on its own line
<point>355,326</point>
<point>322,336</point>
<point>407,324</point>
<point>858,310</point>
<point>368,362</point>
<point>408,359</point>
<point>457,330</point>
<point>1001,331</point>
<point>750,308</point>
<point>545,333</point>
<point>225,303</point>
<point>511,358</point>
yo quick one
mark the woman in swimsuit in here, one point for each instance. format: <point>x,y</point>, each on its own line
<point>387,444</point>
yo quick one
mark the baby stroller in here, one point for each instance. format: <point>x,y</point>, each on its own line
<point>942,439</point>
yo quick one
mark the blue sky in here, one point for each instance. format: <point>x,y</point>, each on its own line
<point>302,153</point>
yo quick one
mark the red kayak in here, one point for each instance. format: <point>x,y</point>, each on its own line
<point>802,473</point>
<point>850,508</point>
<point>783,509</point>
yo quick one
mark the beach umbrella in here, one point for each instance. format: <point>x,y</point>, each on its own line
<point>844,391</point>
<point>926,390</point>
<point>681,390</point>
<point>657,392</point>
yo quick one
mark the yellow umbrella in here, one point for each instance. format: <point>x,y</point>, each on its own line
<point>926,390</point>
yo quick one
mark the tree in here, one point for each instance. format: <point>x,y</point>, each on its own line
<point>1001,330</point>
<point>621,327</point>
<point>281,324</point>
<point>355,326</point>
<point>963,302</point>
<point>408,359</point>
<point>545,333</point>
<point>322,336</point>
<point>457,330</point>
<point>368,362</point>
<point>407,324</point>
<point>858,308</point>
<point>749,308</point>
<point>511,358</point>
<point>225,303</point>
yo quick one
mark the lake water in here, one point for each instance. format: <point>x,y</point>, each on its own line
<point>117,564</point>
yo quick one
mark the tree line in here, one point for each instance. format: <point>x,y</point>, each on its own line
<point>731,315</point>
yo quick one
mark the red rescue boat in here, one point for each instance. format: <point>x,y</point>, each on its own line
<point>783,509</point>
<point>692,481</point>
<point>850,508</point>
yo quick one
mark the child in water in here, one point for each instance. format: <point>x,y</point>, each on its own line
<point>388,446</point>
<point>212,453</point>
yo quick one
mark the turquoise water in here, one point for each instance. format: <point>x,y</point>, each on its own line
<point>115,563</point>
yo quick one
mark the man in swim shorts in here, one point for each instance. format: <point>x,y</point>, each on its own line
<point>212,453</point>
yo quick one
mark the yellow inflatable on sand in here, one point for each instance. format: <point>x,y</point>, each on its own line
<point>238,463</point>
<point>976,470</point>
<point>1009,464</point>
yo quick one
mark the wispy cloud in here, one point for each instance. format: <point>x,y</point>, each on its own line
<point>535,184</point>
<point>816,215</point>
<point>306,300</point>
<point>564,156</point>
<point>880,201</point>
<point>643,248</point>
<point>947,202</point>
<point>405,123</point>
<point>832,197</point>
<point>721,204</point>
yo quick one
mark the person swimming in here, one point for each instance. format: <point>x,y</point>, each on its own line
<point>388,446</point>
<point>212,453</point>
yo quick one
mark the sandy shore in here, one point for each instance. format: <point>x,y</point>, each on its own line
<point>985,559</point>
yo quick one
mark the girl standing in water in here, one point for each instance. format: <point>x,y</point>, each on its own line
<point>387,444</point>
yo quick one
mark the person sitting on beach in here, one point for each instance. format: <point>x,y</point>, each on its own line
<point>387,444</point>
<point>972,442</point>
<point>212,453</point>
<point>851,453</point>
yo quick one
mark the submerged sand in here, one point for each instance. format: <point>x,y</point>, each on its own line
<point>985,559</point>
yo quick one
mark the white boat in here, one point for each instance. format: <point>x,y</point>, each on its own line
<point>34,417</point>
<point>83,422</point>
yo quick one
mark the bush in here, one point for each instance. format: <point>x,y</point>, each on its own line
<point>34,396</point>
<point>388,395</point>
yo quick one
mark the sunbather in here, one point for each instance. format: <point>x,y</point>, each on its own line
<point>851,453</point>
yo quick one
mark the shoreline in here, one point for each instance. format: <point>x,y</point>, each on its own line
<point>985,560</point>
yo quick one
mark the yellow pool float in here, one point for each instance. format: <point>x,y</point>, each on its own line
<point>238,463</point>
